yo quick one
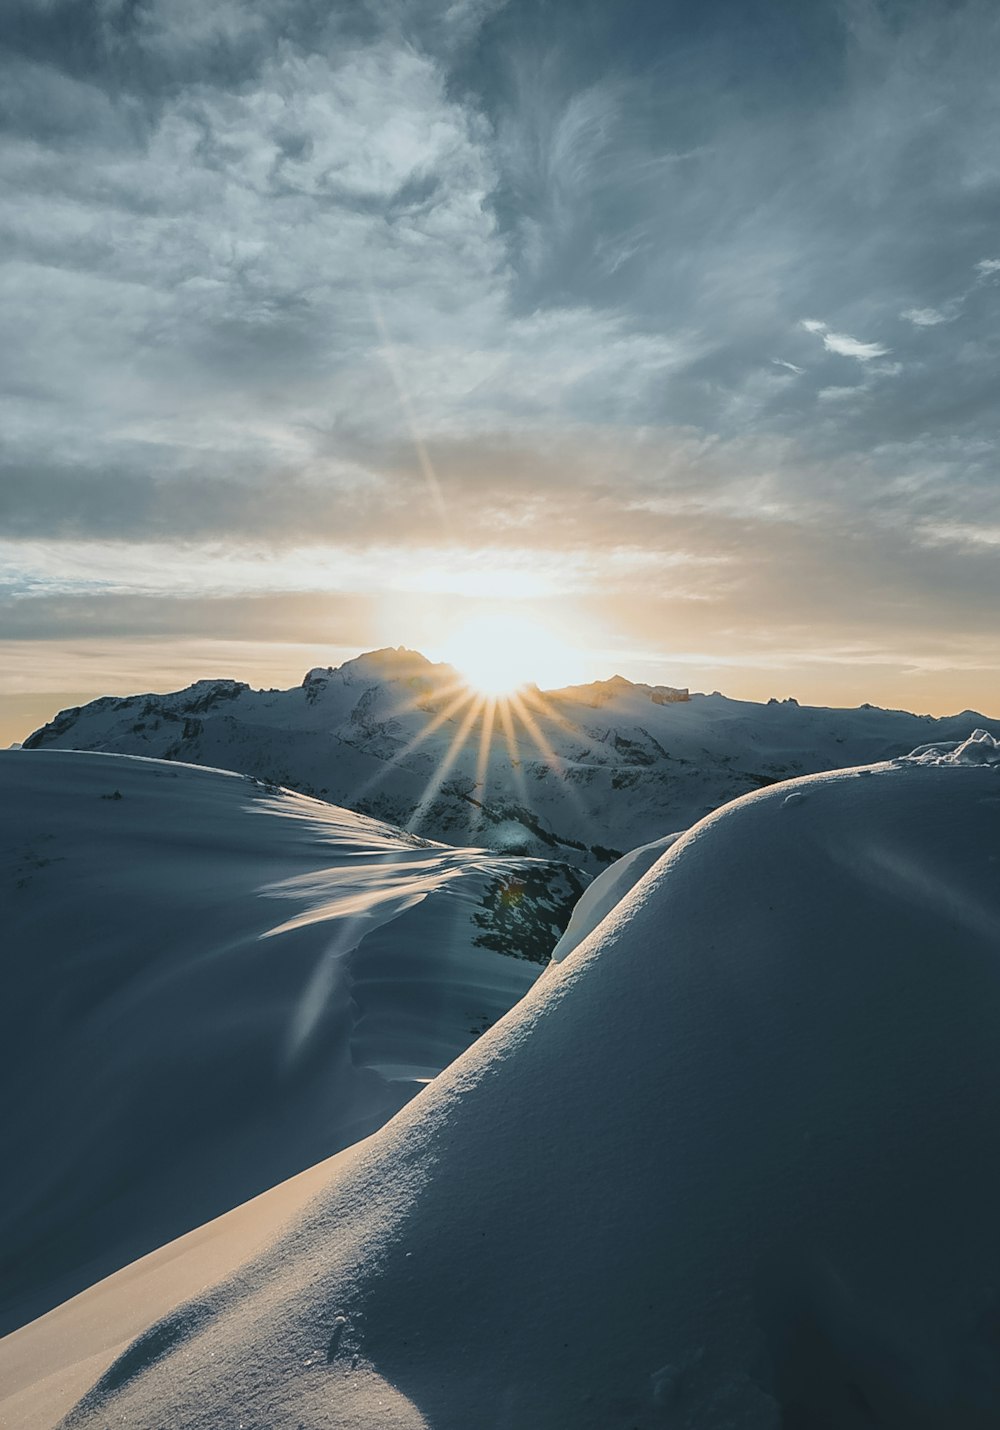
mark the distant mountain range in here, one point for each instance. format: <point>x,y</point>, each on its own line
<point>581,774</point>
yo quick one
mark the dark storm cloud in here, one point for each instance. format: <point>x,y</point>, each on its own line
<point>675,279</point>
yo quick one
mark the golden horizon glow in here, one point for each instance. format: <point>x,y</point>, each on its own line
<point>499,654</point>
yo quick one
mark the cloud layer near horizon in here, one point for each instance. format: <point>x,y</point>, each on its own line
<point>695,313</point>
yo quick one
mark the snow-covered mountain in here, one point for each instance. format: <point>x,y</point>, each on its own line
<point>586,773</point>
<point>210,985</point>
<point>731,1163</point>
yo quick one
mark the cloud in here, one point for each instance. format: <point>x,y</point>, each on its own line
<point>843,345</point>
<point>850,347</point>
<point>925,317</point>
<point>260,260</point>
<point>278,616</point>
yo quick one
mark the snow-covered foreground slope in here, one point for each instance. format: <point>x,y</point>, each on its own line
<point>586,773</point>
<point>209,986</point>
<point>608,890</point>
<point>732,1164</point>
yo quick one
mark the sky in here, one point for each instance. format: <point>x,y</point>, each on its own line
<point>673,328</point>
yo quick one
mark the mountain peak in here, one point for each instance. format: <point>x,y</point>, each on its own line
<point>388,663</point>
<point>602,692</point>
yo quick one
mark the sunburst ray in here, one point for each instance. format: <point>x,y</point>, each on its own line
<point>489,711</point>
<point>376,779</point>
<point>513,749</point>
<point>529,722</point>
<point>542,705</point>
<point>439,776</point>
<point>554,761</point>
<point>424,462</point>
<point>439,692</point>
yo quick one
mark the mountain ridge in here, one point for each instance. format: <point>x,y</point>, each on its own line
<point>583,773</point>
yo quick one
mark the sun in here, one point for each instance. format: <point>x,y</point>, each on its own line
<point>500,654</point>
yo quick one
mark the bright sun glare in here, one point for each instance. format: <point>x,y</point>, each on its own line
<point>497,657</point>
<point>498,654</point>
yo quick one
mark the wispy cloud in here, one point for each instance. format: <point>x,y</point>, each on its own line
<point>851,347</point>
<point>925,317</point>
<point>842,344</point>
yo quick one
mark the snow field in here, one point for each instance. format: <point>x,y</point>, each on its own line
<point>731,1163</point>
<point>211,985</point>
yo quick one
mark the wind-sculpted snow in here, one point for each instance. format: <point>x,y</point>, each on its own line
<point>981,748</point>
<point>733,1163</point>
<point>583,774</point>
<point>209,985</point>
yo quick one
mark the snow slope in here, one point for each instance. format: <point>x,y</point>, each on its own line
<point>608,890</point>
<point>585,773</point>
<point>210,985</point>
<point>733,1163</point>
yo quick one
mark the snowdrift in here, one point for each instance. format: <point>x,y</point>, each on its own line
<point>210,985</point>
<point>608,890</point>
<point>733,1163</point>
